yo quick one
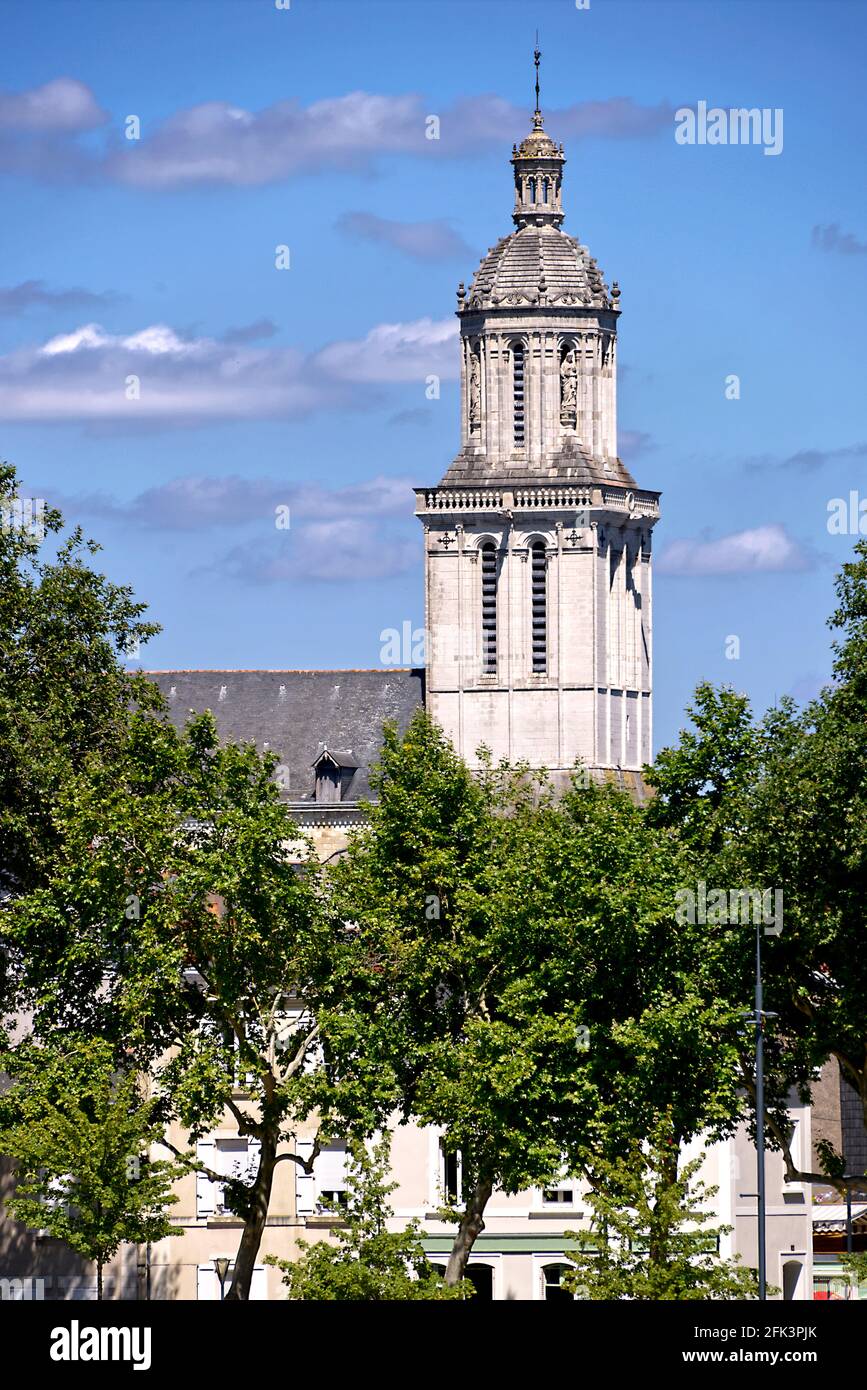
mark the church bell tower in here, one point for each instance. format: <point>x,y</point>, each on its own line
<point>537,539</point>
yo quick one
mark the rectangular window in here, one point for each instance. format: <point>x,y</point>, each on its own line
<point>329,1172</point>
<point>539,607</point>
<point>563,1196</point>
<point>231,1157</point>
<point>489,609</point>
<point>450,1176</point>
<point>518,395</point>
<point>324,1190</point>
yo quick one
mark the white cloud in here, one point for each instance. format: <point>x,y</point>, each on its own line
<point>90,335</point>
<point>219,143</point>
<point>199,502</point>
<point>762,550</point>
<point>160,340</point>
<point>83,375</point>
<point>396,352</point>
<point>63,105</point>
<point>326,551</point>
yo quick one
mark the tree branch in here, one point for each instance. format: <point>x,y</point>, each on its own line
<point>794,1174</point>
<point>305,1163</point>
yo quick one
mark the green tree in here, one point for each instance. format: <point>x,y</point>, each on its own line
<point>781,803</point>
<point>64,694</point>
<point>368,1263</point>
<point>856,1268</point>
<point>649,1235</point>
<point>81,1131</point>
<point>515,973</point>
<point>175,926</point>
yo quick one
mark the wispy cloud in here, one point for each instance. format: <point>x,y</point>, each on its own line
<point>633,443</point>
<point>417,415</point>
<point>157,376</point>
<point>423,241</point>
<point>35,294</point>
<point>219,143</point>
<point>805,460</point>
<point>832,238</point>
<point>200,503</point>
<point>64,105</point>
<point>250,332</point>
<point>808,687</point>
<point>763,550</point>
<point>323,551</point>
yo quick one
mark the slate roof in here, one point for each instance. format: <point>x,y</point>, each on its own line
<point>573,464</point>
<point>344,760</point>
<point>297,712</point>
<point>512,271</point>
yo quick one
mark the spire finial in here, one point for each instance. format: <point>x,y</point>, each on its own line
<point>536,56</point>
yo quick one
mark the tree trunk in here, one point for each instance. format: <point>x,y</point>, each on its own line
<point>472,1225</point>
<point>659,1244</point>
<point>99,1280</point>
<point>254,1224</point>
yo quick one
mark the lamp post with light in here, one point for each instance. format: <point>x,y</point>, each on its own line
<point>222,1267</point>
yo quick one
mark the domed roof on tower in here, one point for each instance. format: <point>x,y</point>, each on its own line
<point>538,264</point>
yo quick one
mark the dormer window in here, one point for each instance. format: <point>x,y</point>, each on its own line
<point>334,773</point>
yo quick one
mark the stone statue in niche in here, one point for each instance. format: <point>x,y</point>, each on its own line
<point>475,392</point>
<point>568,388</point>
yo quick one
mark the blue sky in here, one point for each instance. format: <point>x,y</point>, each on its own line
<point>262,127</point>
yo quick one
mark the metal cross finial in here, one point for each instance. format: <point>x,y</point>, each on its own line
<point>536,56</point>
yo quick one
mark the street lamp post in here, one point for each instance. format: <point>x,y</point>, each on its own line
<point>849,1246</point>
<point>758,1019</point>
<point>221,1265</point>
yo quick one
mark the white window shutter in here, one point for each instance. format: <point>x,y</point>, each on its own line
<point>305,1187</point>
<point>207,1284</point>
<point>330,1168</point>
<point>206,1191</point>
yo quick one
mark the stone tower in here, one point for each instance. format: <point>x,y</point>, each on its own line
<point>537,539</point>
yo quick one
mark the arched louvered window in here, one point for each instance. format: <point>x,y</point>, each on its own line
<point>539,606</point>
<point>518,395</point>
<point>532,188</point>
<point>544,190</point>
<point>489,608</point>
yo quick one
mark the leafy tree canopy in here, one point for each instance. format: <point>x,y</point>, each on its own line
<point>368,1262</point>
<point>64,693</point>
<point>649,1235</point>
<point>780,804</point>
<point>81,1131</point>
<point>515,966</point>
